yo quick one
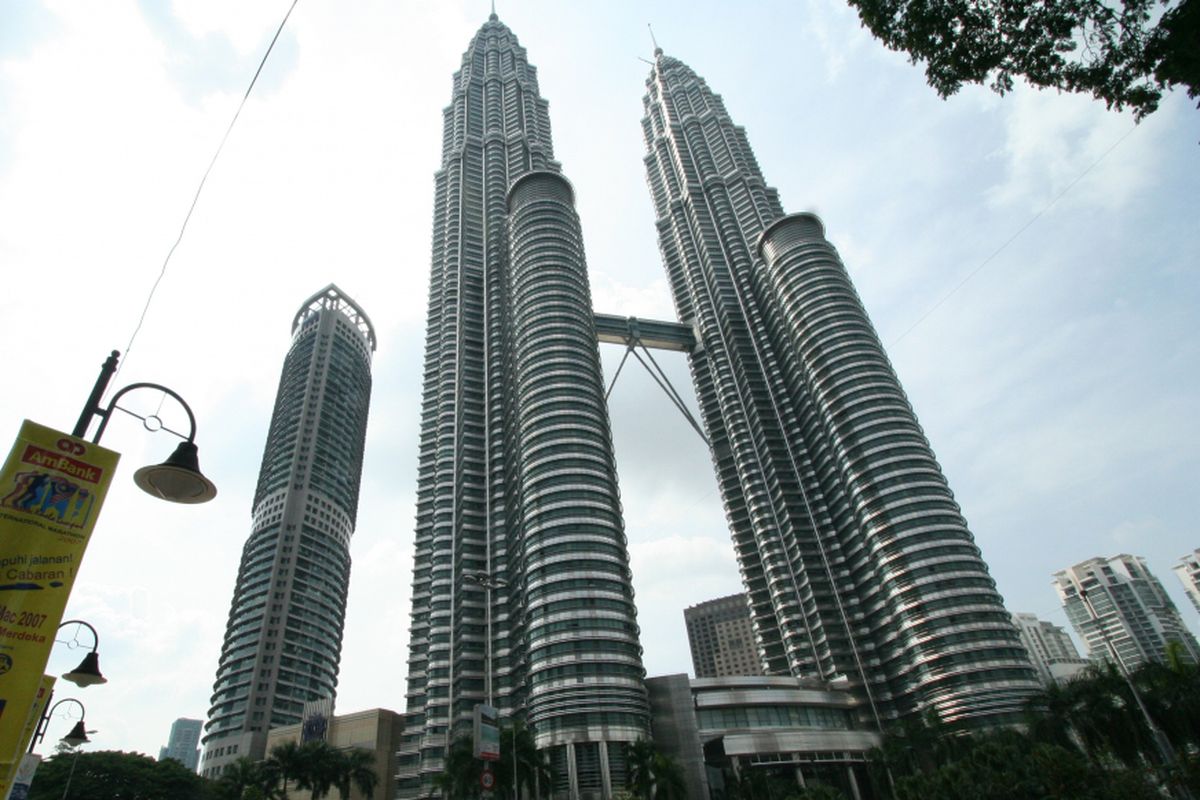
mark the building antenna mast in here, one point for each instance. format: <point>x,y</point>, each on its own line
<point>652,39</point>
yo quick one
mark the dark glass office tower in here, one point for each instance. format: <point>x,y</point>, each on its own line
<point>856,559</point>
<point>521,584</point>
<point>283,640</point>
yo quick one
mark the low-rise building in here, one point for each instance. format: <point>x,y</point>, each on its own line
<point>376,730</point>
<point>806,731</point>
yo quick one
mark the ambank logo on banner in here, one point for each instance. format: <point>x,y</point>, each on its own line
<point>56,487</point>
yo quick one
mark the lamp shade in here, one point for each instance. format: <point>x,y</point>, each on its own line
<point>88,671</point>
<point>77,736</point>
<point>178,479</point>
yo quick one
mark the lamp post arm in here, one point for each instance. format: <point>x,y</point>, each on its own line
<point>39,733</point>
<point>88,625</point>
<point>106,413</point>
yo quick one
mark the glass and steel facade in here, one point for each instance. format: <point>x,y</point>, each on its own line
<point>521,584</point>
<point>284,635</point>
<point>856,560</point>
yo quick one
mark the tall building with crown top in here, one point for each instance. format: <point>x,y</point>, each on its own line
<point>857,562</point>
<point>283,640</point>
<point>521,586</point>
<point>855,557</point>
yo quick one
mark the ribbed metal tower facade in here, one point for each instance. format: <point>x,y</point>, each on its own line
<point>517,494</point>
<point>283,640</point>
<point>855,557</point>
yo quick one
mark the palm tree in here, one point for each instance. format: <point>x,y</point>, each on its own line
<point>322,762</point>
<point>668,778</point>
<point>288,759</point>
<point>653,774</point>
<point>245,779</point>
<point>533,769</point>
<point>356,767</point>
<point>460,773</point>
<point>640,758</point>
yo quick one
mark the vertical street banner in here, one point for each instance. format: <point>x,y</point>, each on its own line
<point>26,764</point>
<point>24,777</point>
<point>51,490</point>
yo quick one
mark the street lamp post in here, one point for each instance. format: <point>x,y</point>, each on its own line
<point>490,582</point>
<point>178,479</point>
<point>77,736</point>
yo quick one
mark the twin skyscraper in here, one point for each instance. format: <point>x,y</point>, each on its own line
<point>856,560</point>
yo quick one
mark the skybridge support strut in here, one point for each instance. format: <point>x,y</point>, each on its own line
<point>640,334</point>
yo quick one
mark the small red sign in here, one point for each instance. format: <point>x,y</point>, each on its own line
<point>41,457</point>
<point>487,779</point>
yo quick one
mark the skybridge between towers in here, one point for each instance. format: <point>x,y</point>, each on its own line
<point>648,334</point>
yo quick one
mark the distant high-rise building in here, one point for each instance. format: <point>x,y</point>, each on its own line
<point>1050,648</point>
<point>284,636</point>
<point>1188,570</point>
<point>183,744</point>
<point>1117,604</point>
<point>722,638</point>
<point>517,500</point>
<point>856,559</point>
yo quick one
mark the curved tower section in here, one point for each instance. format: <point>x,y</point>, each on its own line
<point>856,559</point>
<point>284,636</point>
<point>486,540</point>
<point>584,673</point>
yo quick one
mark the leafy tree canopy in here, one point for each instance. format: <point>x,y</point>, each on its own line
<point>114,775</point>
<point>1124,52</point>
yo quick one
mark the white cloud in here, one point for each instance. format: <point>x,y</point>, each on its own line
<point>248,26</point>
<point>1054,139</point>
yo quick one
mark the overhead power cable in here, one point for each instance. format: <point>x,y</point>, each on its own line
<point>1010,239</point>
<point>196,197</point>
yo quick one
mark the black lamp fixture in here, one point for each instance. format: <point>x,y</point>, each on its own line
<point>77,736</point>
<point>88,672</point>
<point>178,479</point>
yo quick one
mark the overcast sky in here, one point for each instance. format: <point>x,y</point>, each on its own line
<point>1058,381</point>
